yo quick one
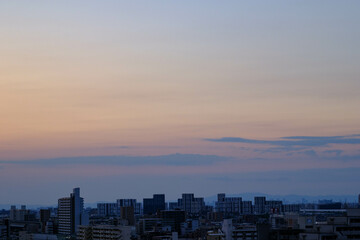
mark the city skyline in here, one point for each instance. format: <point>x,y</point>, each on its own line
<point>113,205</point>
<point>172,97</point>
<point>228,217</point>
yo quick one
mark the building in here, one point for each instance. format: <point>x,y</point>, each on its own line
<point>295,208</point>
<point>190,226</point>
<point>190,204</point>
<point>329,205</point>
<point>148,225</point>
<point>37,236</point>
<point>49,228</point>
<point>71,213</point>
<point>128,203</point>
<point>215,235</point>
<point>273,206</point>
<point>260,205</point>
<point>44,215</point>
<point>44,218</point>
<point>66,225</point>
<point>227,228</point>
<point>246,207</point>
<point>173,206</point>
<point>127,213</point>
<point>19,214</point>
<point>3,232</point>
<point>104,232</point>
<point>228,205</point>
<point>245,232</point>
<point>346,226</point>
<point>107,209</point>
<point>173,219</point>
<point>155,204</point>
<point>138,209</point>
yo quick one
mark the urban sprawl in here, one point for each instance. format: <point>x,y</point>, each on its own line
<point>229,218</point>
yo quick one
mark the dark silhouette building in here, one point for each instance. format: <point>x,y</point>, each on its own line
<point>152,205</point>
<point>173,218</point>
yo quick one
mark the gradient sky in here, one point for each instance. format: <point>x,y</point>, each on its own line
<point>127,99</point>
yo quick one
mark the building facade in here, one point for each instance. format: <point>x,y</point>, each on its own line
<point>71,213</point>
<point>228,205</point>
<point>191,204</point>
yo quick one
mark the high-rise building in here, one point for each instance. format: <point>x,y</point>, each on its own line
<point>152,205</point>
<point>107,209</point>
<point>246,207</point>
<point>44,218</point>
<point>127,213</point>
<point>138,210</point>
<point>71,213</point>
<point>259,207</point>
<point>44,215</point>
<point>65,216</point>
<point>19,214</point>
<point>228,205</point>
<point>191,204</point>
<point>128,203</point>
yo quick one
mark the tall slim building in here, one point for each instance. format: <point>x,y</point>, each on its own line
<point>44,218</point>
<point>44,215</point>
<point>259,207</point>
<point>65,216</point>
<point>71,213</point>
<point>246,207</point>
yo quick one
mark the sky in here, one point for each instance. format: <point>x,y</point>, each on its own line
<point>129,98</point>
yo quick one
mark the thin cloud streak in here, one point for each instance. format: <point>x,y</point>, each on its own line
<point>162,160</point>
<point>306,141</point>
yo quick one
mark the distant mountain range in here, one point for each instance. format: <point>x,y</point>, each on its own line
<point>210,200</point>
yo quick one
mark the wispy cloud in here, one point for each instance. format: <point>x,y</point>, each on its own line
<point>117,147</point>
<point>301,175</point>
<point>305,141</point>
<point>164,160</point>
<point>278,149</point>
<point>336,152</point>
